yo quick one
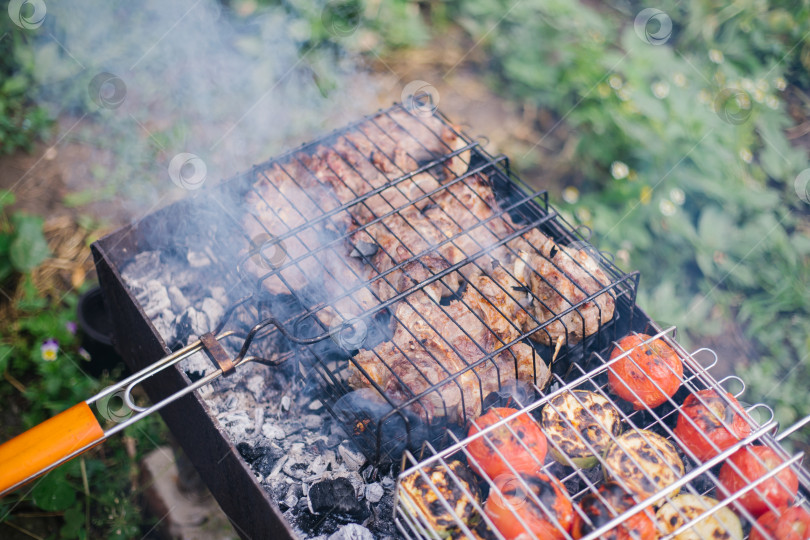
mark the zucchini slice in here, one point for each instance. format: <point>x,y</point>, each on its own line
<point>685,508</point>
<point>430,510</point>
<point>646,462</point>
<point>573,418</point>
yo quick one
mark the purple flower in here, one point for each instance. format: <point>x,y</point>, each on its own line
<point>84,354</point>
<point>49,350</point>
<point>71,327</point>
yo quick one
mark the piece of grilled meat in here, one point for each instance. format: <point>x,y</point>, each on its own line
<point>434,344</point>
<point>289,196</point>
<point>560,277</point>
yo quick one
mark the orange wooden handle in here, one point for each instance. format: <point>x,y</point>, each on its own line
<point>29,454</point>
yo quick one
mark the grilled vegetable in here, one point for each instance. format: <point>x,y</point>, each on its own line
<point>754,462</point>
<point>509,439</point>
<point>686,508</point>
<point>716,425</point>
<point>648,375</point>
<point>574,418</point>
<point>644,461</point>
<point>637,527</point>
<point>513,503</point>
<point>425,501</point>
<point>791,524</point>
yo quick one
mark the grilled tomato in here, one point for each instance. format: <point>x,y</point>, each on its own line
<point>687,508</point>
<point>511,503</point>
<point>638,527</point>
<point>576,419</point>
<point>716,425</point>
<point>425,501</point>
<point>634,377</point>
<point>790,524</point>
<point>646,462</point>
<point>509,439</point>
<point>754,462</point>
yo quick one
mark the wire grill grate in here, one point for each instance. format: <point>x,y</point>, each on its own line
<point>428,264</point>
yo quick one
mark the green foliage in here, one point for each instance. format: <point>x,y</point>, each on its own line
<point>358,25</point>
<point>21,121</point>
<point>22,245</point>
<point>691,176</point>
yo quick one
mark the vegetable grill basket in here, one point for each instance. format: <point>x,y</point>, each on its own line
<point>440,481</point>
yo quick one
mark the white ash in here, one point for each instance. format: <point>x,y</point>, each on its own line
<point>353,459</point>
<point>273,414</point>
<point>374,492</point>
<point>178,299</point>
<point>198,259</point>
<point>352,531</point>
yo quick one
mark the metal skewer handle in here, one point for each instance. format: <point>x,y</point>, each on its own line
<point>76,430</point>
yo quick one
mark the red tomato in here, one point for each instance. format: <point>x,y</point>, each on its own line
<point>708,436</point>
<point>791,524</point>
<point>747,460</point>
<point>768,522</point>
<point>507,439</point>
<point>638,527</point>
<point>512,501</point>
<point>647,365</point>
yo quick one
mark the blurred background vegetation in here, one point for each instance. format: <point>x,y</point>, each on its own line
<point>685,158</point>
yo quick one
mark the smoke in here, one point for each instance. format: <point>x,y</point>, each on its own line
<point>174,96</point>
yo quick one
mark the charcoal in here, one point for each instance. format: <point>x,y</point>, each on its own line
<point>336,497</point>
<point>198,259</point>
<point>272,431</point>
<point>264,464</point>
<point>312,421</point>
<point>154,299</point>
<point>352,531</point>
<point>178,299</point>
<point>279,489</point>
<point>374,492</point>
<point>249,453</point>
<point>276,418</point>
<point>145,265</point>
<point>388,483</point>
<point>296,469</point>
<point>315,405</point>
<point>293,494</point>
<point>351,458</point>
<point>193,323</point>
<point>164,324</point>
<point>214,312</point>
<point>292,428</point>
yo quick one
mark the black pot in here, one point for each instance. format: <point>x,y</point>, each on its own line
<point>97,334</point>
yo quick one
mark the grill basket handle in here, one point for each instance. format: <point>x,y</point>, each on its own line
<point>48,444</point>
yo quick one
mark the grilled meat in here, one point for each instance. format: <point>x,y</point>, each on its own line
<point>308,186</point>
<point>405,232</point>
<point>434,343</point>
<point>560,277</point>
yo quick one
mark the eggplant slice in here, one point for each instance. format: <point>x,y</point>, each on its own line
<point>576,419</point>
<point>685,508</point>
<point>447,485</point>
<point>645,462</point>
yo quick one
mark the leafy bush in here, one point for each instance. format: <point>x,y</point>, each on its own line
<point>21,121</point>
<point>22,245</point>
<point>690,174</point>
